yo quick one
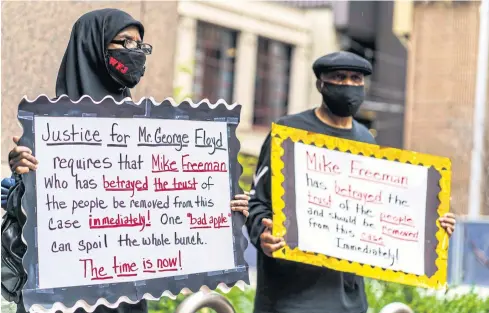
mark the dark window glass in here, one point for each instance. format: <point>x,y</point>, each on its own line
<point>214,63</point>
<point>272,81</point>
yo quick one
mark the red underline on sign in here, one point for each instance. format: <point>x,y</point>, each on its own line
<point>168,270</point>
<point>204,171</point>
<point>164,171</point>
<point>353,198</point>
<point>149,271</point>
<point>117,226</point>
<point>125,189</point>
<point>378,182</point>
<point>321,205</point>
<point>127,275</point>
<point>73,144</point>
<point>200,227</point>
<point>388,222</point>
<point>375,243</point>
<point>409,225</point>
<point>403,239</point>
<point>392,223</point>
<point>175,189</point>
<point>321,172</point>
<point>102,278</point>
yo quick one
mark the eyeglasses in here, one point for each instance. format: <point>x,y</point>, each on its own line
<point>135,45</point>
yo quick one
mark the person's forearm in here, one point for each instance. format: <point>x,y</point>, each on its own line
<point>254,223</point>
<point>14,200</point>
<point>260,205</point>
<point>6,183</point>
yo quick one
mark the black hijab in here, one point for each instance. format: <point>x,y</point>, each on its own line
<point>83,70</point>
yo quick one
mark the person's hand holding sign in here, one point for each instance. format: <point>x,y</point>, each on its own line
<point>448,222</point>
<point>21,159</point>
<point>240,203</point>
<point>269,243</point>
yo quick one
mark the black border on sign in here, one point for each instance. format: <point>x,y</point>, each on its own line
<point>136,290</point>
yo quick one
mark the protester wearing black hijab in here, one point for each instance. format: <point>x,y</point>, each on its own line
<point>92,62</point>
<point>105,57</point>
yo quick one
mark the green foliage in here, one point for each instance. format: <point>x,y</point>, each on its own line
<point>242,301</point>
<point>178,92</point>
<point>248,162</point>
<point>379,294</point>
<point>186,68</point>
<point>179,95</point>
<point>8,307</point>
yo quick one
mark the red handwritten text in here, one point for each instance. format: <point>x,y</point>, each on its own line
<point>175,185</point>
<point>400,234</point>
<point>130,220</point>
<point>95,273</point>
<point>197,222</point>
<point>324,202</point>
<point>169,264</point>
<point>396,220</point>
<point>160,163</point>
<point>202,167</point>
<point>125,269</point>
<point>378,240</point>
<point>357,171</point>
<point>321,164</point>
<point>349,192</point>
<point>119,184</point>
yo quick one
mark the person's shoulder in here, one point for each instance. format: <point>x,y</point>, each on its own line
<point>295,120</point>
<point>363,133</point>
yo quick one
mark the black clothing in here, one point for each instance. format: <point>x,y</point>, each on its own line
<point>83,70</point>
<point>290,287</point>
<point>341,60</point>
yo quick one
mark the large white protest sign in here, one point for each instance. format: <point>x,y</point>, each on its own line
<point>125,198</point>
<point>360,208</point>
<point>129,200</point>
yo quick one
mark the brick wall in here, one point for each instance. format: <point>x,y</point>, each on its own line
<point>35,35</point>
<point>442,63</point>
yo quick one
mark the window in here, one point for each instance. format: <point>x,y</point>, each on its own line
<point>214,63</point>
<point>272,81</point>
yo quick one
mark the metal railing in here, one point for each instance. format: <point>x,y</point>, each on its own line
<point>202,300</point>
<point>220,304</point>
<point>396,307</point>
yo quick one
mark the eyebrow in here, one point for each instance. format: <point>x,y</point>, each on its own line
<point>127,36</point>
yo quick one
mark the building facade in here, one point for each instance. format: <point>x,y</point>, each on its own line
<point>34,38</point>
<point>442,40</point>
<point>365,28</point>
<point>258,54</point>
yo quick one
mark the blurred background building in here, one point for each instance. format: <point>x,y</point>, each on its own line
<point>259,53</point>
<point>34,38</point>
<point>442,40</point>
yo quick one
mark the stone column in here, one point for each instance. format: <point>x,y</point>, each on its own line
<point>185,55</point>
<point>244,82</point>
<point>299,81</point>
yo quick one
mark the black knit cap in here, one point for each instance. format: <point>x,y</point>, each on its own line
<point>341,60</point>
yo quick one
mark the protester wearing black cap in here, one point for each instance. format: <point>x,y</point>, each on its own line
<point>290,287</point>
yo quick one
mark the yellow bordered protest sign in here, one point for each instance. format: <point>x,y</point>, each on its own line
<point>360,208</point>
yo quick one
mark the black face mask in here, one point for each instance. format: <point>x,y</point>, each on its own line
<point>126,66</point>
<point>342,100</point>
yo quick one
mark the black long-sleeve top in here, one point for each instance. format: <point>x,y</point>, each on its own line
<point>290,287</point>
